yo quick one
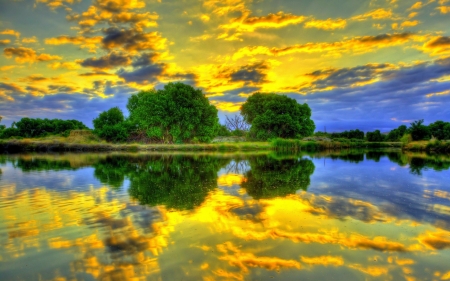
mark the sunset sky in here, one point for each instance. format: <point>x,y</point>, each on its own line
<point>366,64</point>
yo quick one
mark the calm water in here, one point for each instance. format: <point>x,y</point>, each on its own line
<point>342,216</point>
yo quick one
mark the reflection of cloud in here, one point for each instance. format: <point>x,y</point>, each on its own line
<point>438,240</point>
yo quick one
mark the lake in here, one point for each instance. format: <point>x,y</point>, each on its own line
<point>347,215</point>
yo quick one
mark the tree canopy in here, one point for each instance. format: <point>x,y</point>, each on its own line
<point>272,115</point>
<point>178,113</point>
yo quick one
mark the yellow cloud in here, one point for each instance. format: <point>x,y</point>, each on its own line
<point>409,23</point>
<point>227,106</point>
<point>7,67</point>
<point>371,270</point>
<point>30,40</point>
<point>438,240</point>
<point>24,55</point>
<point>378,14</point>
<point>250,24</point>
<point>444,9</point>
<point>10,32</point>
<point>416,6</point>
<point>358,45</point>
<point>230,179</point>
<point>91,43</point>
<point>66,65</point>
<point>323,260</point>
<point>5,42</point>
<point>328,24</point>
<point>437,46</point>
<point>200,38</point>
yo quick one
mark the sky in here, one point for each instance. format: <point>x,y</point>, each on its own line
<point>359,64</point>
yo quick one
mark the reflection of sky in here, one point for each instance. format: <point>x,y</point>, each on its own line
<point>384,184</point>
<point>357,221</point>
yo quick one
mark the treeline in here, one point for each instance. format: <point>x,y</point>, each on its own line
<point>417,131</point>
<point>35,128</point>
<point>181,114</point>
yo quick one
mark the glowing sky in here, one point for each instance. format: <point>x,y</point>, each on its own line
<point>367,64</point>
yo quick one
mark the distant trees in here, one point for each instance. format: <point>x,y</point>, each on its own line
<point>178,113</point>
<point>272,115</point>
<point>419,131</point>
<point>36,127</point>
<point>352,134</point>
<point>396,134</point>
<point>374,136</point>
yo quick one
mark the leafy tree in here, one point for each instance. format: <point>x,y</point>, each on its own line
<point>272,115</point>
<point>2,127</point>
<point>396,134</point>
<point>178,113</point>
<point>375,136</point>
<point>270,177</point>
<point>223,131</point>
<point>440,130</point>
<point>112,126</point>
<point>419,131</point>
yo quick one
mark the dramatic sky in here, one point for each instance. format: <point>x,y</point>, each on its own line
<point>367,64</point>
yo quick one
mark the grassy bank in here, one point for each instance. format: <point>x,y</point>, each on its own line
<point>298,145</point>
<point>428,146</point>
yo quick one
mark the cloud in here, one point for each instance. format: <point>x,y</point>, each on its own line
<point>7,67</point>
<point>66,65</point>
<point>250,74</point>
<point>55,4</point>
<point>8,91</point>
<point>109,61</point>
<point>378,14</point>
<point>409,23</point>
<point>10,32</point>
<point>24,55</point>
<point>132,40</point>
<point>115,6</point>
<point>444,9</point>
<point>416,6</point>
<point>30,40</point>
<point>96,73</point>
<point>90,43</point>
<point>438,46</point>
<point>328,24</point>
<point>250,24</point>
<point>356,45</point>
<point>4,42</point>
<point>439,240</point>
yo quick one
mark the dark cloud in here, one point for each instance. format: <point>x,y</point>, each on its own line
<point>96,73</point>
<point>145,59</point>
<point>61,88</point>
<point>109,61</point>
<point>250,73</point>
<point>132,40</point>
<point>440,41</point>
<point>142,75</point>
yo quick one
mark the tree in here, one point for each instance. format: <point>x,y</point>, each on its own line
<point>236,123</point>
<point>272,115</point>
<point>178,113</point>
<point>419,131</point>
<point>396,134</point>
<point>440,130</point>
<point>375,136</point>
<point>111,125</point>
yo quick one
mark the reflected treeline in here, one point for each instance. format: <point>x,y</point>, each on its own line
<point>178,182</point>
<point>277,176</point>
<point>36,164</point>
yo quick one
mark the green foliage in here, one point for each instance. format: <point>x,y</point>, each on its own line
<point>238,133</point>
<point>396,134</point>
<point>440,130</point>
<point>176,114</point>
<point>223,131</point>
<point>286,144</point>
<point>419,131</point>
<point>272,116</point>
<point>270,177</point>
<point>112,126</point>
<point>375,136</point>
<point>352,134</point>
<point>35,128</point>
<point>406,138</point>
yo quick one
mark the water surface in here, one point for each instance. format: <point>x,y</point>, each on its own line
<point>349,215</point>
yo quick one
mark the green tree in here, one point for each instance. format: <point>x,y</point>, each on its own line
<point>375,136</point>
<point>111,125</point>
<point>396,134</point>
<point>271,177</point>
<point>419,131</point>
<point>178,113</point>
<point>440,130</point>
<point>272,115</point>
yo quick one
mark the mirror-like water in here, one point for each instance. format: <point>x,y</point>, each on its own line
<point>349,215</point>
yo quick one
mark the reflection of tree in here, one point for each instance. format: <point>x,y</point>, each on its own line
<point>271,177</point>
<point>112,170</point>
<point>375,155</point>
<point>43,165</point>
<point>177,182</point>
<point>417,164</point>
<point>350,156</point>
